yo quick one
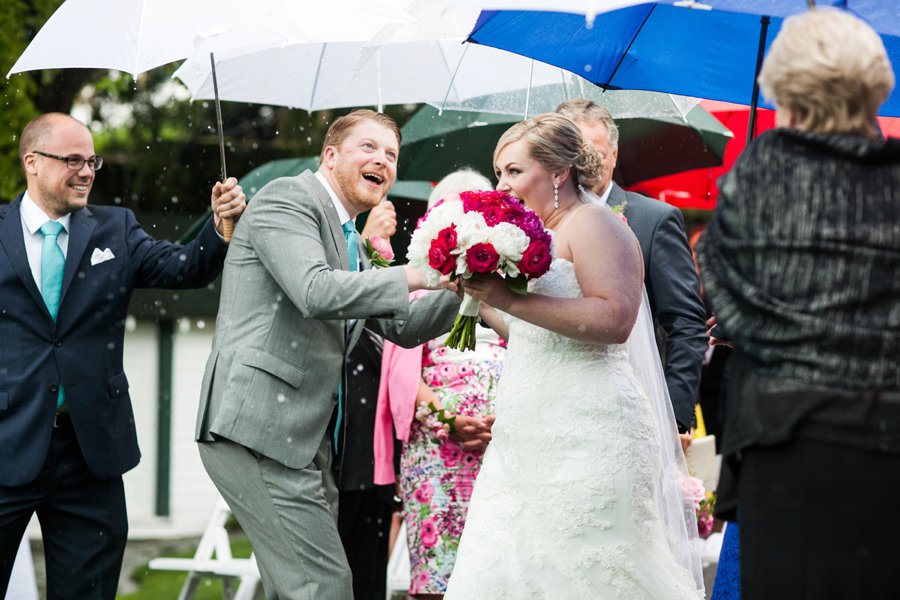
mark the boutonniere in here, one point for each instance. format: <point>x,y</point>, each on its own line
<point>380,253</point>
<point>620,210</point>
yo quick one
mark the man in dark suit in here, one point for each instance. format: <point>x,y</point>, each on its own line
<point>672,283</point>
<point>67,434</point>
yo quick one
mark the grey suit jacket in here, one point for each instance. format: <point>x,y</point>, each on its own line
<point>272,377</point>
<point>674,292</point>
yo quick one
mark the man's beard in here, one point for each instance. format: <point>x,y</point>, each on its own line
<point>58,202</point>
<point>348,182</point>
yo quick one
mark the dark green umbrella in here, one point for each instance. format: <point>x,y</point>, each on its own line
<point>435,144</point>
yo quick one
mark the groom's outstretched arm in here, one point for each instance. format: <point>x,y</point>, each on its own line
<point>430,315</point>
<point>290,234</point>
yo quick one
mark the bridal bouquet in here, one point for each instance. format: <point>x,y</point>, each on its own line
<point>704,504</point>
<point>478,233</point>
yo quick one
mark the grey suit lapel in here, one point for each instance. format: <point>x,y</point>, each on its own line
<point>320,195</point>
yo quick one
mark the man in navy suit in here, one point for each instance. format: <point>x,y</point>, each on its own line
<point>672,284</point>
<point>67,429</point>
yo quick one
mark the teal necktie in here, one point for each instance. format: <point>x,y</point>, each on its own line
<point>350,238</point>
<point>53,265</point>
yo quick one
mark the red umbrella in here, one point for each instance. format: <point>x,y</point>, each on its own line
<point>697,188</point>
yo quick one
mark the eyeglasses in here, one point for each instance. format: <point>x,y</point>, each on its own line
<point>76,163</point>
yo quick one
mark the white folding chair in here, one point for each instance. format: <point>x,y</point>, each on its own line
<point>213,559</point>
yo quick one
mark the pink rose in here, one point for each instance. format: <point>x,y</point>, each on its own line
<point>382,247</point>
<point>693,489</point>
<point>535,260</point>
<point>482,258</point>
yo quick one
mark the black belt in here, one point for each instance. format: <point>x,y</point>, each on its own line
<point>62,420</point>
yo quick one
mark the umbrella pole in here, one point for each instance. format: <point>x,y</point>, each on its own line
<point>528,93</point>
<point>453,78</point>
<point>754,99</point>
<point>227,223</point>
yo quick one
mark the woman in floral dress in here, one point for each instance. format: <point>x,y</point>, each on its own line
<point>436,473</point>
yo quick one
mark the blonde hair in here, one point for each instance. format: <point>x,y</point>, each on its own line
<point>463,180</point>
<point>583,110</point>
<point>830,70</point>
<point>342,126</point>
<point>556,142</point>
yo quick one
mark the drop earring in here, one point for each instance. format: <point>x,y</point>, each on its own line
<point>555,194</point>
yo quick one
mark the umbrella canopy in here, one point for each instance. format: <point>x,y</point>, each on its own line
<point>709,49</point>
<point>138,35</point>
<point>436,144</point>
<point>320,76</point>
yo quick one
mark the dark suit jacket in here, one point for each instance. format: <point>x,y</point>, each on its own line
<point>674,292</point>
<point>83,349</point>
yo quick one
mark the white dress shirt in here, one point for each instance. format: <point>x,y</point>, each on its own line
<point>32,220</point>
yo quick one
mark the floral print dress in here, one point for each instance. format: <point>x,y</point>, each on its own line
<point>436,474</point>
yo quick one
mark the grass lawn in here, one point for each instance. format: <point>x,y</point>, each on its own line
<point>166,585</point>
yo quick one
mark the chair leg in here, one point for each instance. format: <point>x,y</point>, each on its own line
<point>249,588</point>
<point>189,589</point>
<point>229,590</point>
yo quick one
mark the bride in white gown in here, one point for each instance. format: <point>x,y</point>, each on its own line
<point>579,493</point>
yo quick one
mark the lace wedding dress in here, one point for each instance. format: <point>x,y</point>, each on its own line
<point>567,504</point>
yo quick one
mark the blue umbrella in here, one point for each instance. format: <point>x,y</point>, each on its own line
<point>711,49</point>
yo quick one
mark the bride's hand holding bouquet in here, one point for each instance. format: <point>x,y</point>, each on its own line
<point>481,234</point>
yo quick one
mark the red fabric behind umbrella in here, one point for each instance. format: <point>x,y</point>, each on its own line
<point>696,189</point>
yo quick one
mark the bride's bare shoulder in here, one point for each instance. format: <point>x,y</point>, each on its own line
<point>598,231</point>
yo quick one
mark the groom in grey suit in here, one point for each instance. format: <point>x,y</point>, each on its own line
<point>291,308</point>
<point>669,274</point>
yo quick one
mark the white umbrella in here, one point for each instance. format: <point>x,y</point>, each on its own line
<point>319,76</point>
<point>137,35</point>
<point>423,59</point>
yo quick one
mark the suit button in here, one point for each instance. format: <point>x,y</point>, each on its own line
<point>54,388</point>
<point>58,343</point>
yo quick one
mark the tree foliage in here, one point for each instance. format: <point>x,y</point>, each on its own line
<point>26,95</point>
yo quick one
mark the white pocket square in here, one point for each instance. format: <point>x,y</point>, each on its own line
<point>100,256</point>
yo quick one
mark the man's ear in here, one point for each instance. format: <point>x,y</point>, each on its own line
<point>29,163</point>
<point>329,157</point>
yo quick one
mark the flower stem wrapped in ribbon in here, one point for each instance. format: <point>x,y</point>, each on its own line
<point>480,233</point>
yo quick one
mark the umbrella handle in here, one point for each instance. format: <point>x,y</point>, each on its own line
<point>227,228</point>
<point>227,222</point>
